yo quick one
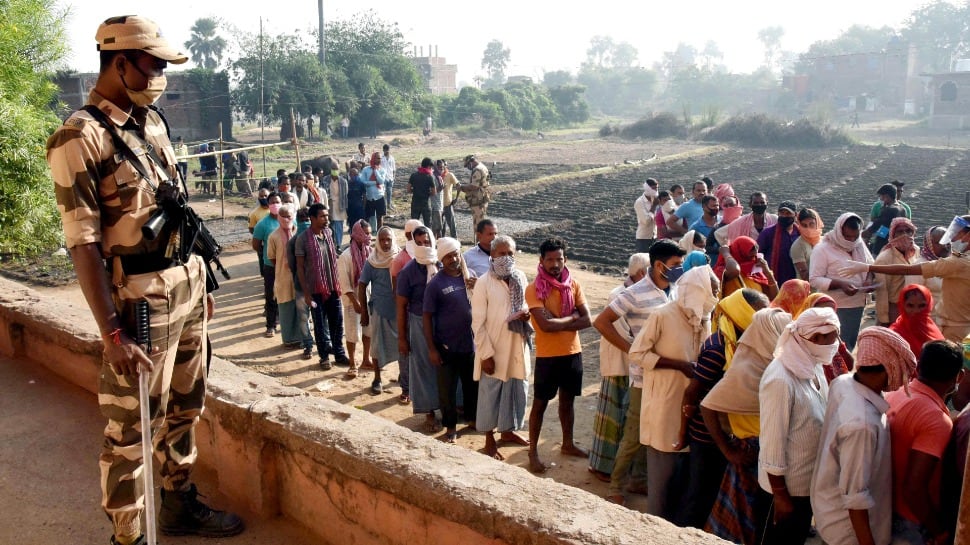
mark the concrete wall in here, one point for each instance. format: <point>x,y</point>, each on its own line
<point>349,476</point>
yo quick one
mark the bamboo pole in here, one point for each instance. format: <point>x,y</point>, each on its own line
<point>296,141</point>
<point>222,184</point>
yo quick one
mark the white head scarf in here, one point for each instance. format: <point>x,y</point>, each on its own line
<point>695,298</point>
<point>800,355</point>
<point>855,247</point>
<point>427,256</point>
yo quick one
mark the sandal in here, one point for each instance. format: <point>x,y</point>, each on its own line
<point>367,366</point>
<point>376,387</point>
<point>351,373</point>
<point>432,426</point>
<point>404,399</point>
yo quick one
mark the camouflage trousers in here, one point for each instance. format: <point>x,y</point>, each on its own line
<point>478,213</point>
<point>176,298</point>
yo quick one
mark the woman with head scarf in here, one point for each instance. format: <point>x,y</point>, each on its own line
<point>838,248</point>
<point>854,468</point>
<point>377,305</point>
<point>695,258</point>
<point>810,227</point>
<point>706,463</point>
<point>914,323</point>
<point>666,348</point>
<point>736,397</point>
<point>746,268</point>
<point>792,396</point>
<point>791,295</point>
<point>350,265</point>
<point>900,250</point>
<point>693,240</point>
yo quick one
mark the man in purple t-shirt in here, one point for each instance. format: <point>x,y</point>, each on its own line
<point>448,333</point>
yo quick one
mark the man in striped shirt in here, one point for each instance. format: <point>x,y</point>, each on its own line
<point>635,304</point>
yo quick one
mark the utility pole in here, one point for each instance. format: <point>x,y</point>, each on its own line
<point>321,54</point>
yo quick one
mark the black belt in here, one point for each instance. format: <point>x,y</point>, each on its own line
<point>145,263</point>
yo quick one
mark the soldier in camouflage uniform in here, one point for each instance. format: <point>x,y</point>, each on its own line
<point>104,199</point>
<point>476,190</point>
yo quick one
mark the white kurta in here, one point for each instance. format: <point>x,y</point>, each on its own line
<point>491,307</point>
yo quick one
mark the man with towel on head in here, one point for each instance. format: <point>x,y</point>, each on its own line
<point>852,484</point>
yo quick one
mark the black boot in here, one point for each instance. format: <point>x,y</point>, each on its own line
<point>140,541</point>
<point>183,514</point>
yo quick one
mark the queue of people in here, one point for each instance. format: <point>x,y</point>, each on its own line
<point>792,412</point>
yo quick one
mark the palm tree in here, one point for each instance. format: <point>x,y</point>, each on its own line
<point>205,45</point>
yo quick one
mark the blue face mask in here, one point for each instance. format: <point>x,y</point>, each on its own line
<point>674,273</point>
<point>302,226</point>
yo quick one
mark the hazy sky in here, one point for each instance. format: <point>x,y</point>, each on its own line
<point>541,35</point>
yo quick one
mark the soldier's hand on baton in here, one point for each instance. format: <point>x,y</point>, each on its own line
<point>124,355</point>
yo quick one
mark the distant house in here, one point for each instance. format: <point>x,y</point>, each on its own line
<point>950,107</point>
<point>191,113</point>
<point>439,76</point>
<point>868,81</point>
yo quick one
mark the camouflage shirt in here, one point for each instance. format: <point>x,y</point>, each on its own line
<point>479,179</point>
<point>101,197</point>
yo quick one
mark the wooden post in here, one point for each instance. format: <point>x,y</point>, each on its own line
<point>222,185</point>
<point>296,141</point>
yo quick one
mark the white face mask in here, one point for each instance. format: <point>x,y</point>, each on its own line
<point>822,354</point>
<point>150,94</point>
<point>958,246</point>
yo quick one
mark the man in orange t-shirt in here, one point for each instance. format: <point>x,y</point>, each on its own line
<point>920,428</point>
<point>559,312</point>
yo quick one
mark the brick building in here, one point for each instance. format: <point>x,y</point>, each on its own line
<point>439,76</point>
<point>950,106</point>
<point>193,113</point>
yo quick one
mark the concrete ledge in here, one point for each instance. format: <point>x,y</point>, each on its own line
<point>347,475</point>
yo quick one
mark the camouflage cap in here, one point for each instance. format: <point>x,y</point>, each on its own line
<point>133,32</point>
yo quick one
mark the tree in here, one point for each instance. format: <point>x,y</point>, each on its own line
<point>31,44</point>
<point>557,78</point>
<point>603,52</point>
<point>770,38</point>
<point>624,55</point>
<point>940,29</point>
<point>711,56</point>
<point>855,39</point>
<point>205,46</point>
<point>495,60</point>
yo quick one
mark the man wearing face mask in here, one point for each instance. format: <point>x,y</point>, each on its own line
<point>266,227</point>
<point>792,396</point>
<point>776,241</point>
<point>105,193</point>
<point>954,270</point>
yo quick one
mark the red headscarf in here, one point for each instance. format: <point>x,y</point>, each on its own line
<point>919,328</point>
<point>375,163</point>
<point>741,252</point>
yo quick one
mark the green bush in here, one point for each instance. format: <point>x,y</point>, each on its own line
<point>763,131</point>
<point>31,42</point>
<point>658,125</point>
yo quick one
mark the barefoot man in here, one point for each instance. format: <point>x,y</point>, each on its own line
<point>559,312</point>
<point>500,321</point>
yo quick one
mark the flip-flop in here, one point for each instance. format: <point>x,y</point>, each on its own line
<point>432,426</point>
<point>376,387</point>
<point>604,477</point>
<point>367,366</point>
<point>404,399</point>
<point>351,373</point>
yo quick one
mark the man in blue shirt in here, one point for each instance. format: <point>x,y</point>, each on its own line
<point>261,234</point>
<point>689,212</point>
<point>477,259</point>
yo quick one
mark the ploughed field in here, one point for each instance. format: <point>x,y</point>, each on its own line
<point>594,212</point>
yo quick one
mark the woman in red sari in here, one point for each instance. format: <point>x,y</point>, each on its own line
<point>914,323</point>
